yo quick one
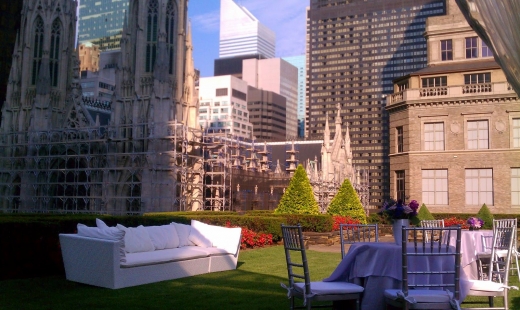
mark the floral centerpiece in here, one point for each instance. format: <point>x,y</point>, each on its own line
<point>397,210</point>
<point>400,214</point>
<point>475,223</point>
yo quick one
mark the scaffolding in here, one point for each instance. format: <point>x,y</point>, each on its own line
<point>102,169</point>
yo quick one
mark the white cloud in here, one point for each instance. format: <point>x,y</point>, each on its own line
<point>207,22</point>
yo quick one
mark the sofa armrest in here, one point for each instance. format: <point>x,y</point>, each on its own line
<point>89,260</point>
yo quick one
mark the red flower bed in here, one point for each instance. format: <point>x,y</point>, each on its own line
<point>251,239</point>
<point>338,219</point>
<point>453,221</point>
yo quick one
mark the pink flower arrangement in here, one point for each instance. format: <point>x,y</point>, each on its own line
<point>475,222</point>
<point>397,210</point>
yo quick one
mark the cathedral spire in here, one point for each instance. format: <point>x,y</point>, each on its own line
<point>326,132</point>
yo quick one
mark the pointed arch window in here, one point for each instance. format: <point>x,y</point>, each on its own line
<point>55,51</point>
<point>170,34</point>
<point>37,48</point>
<point>151,34</point>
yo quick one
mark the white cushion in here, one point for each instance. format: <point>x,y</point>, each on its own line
<point>163,237</point>
<point>162,256</point>
<point>136,239</point>
<point>481,285</point>
<point>101,224</point>
<point>198,238</point>
<point>110,233</point>
<point>226,238</point>
<point>423,296</point>
<point>329,288</point>
<point>183,232</point>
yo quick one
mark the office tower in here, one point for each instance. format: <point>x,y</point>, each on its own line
<point>455,126</point>
<point>9,20</point>
<point>223,106</point>
<point>356,48</point>
<point>242,34</point>
<point>279,76</point>
<point>266,114</point>
<point>101,22</point>
<point>300,63</point>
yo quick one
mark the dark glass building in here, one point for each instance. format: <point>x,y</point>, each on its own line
<point>356,48</point>
<point>101,22</point>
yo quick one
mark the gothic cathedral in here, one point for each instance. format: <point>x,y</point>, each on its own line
<point>56,157</point>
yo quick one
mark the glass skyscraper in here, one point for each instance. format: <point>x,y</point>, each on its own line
<point>101,22</point>
<point>356,48</point>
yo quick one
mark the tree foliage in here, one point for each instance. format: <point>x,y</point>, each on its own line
<point>298,197</point>
<point>346,203</point>
<point>486,216</point>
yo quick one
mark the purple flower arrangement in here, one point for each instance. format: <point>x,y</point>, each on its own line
<point>475,223</point>
<point>397,210</point>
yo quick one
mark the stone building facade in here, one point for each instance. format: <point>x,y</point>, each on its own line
<point>455,126</point>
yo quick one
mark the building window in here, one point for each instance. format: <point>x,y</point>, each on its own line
<point>485,50</point>
<point>478,135</point>
<point>399,185</point>
<point>221,92</point>
<point>477,78</point>
<point>399,140</point>
<point>37,48</point>
<point>446,50</point>
<point>170,35</point>
<point>479,187</point>
<point>516,132</point>
<point>515,187</point>
<point>434,137</point>
<point>151,35</point>
<point>434,81</point>
<point>435,187</point>
<point>471,47</point>
<point>54,56</point>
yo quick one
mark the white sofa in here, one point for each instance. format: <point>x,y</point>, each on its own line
<point>98,255</point>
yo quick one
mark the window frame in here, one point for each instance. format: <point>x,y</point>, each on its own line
<point>477,187</point>
<point>399,139</point>
<point>434,141</point>
<point>471,49</point>
<point>446,50</point>
<point>515,187</point>
<point>400,184</point>
<point>479,131</point>
<point>439,177</point>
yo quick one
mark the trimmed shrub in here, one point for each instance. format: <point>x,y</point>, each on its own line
<point>346,203</point>
<point>486,216</point>
<point>298,197</point>
<point>424,213</point>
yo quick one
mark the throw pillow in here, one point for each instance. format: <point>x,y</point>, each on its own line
<point>101,224</point>
<point>99,233</point>
<point>136,239</point>
<point>183,232</point>
<point>163,237</point>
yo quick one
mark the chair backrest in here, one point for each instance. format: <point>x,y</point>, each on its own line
<point>508,223</point>
<point>503,241</point>
<point>418,254</point>
<point>295,256</point>
<point>431,224</point>
<point>351,233</point>
<point>487,243</point>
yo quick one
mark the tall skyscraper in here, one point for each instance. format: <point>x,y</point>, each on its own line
<point>356,48</point>
<point>101,22</point>
<point>279,76</point>
<point>242,34</point>
<point>299,62</point>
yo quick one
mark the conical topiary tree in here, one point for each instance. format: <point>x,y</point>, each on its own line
<point>486,216</point>
<point>298,197</point>
<point>346,203</point>
<point>423,214</point>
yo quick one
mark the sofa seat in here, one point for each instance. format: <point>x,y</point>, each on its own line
<point>163,256</point>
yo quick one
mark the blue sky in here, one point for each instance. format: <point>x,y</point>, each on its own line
<point>286,18</point>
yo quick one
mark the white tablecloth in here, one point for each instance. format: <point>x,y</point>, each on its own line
<point>470,245</point>
<point>377,266</point>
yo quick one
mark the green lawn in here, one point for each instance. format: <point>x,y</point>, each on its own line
<point>254,285</point>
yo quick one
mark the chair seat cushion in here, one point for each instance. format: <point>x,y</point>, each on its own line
<point>489,286</point>
<point>330,288</point>
<point>422,296</point>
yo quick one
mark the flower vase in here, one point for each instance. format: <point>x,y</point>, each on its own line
<point>396,228</point>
